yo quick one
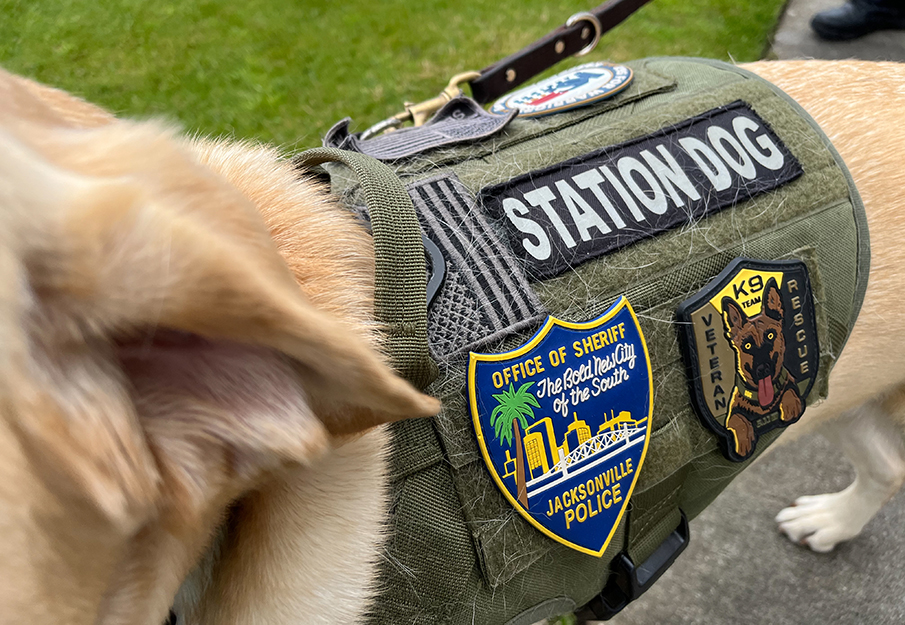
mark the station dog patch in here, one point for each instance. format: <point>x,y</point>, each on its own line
<point>561,216</point>
<point>751,351</point>
<point>563,423</point>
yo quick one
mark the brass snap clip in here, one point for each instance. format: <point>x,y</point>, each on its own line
<point>419,113</point>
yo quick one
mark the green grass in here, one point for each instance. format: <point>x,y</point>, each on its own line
<point>284,71</point>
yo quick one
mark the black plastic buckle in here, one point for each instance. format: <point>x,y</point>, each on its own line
<point>627,582</point>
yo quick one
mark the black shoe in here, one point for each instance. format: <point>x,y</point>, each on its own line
<point>856,19</point>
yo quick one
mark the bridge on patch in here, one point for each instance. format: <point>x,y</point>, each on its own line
<point>590,454</point>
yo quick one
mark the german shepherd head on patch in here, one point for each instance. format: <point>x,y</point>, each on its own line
<point>763,385</point>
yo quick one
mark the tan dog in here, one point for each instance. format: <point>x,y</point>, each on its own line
<point>163,375</point>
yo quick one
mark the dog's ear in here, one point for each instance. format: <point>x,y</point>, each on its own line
<point>773,301</point>
<point>168,244</point>
<point>135,252</point>
<point>733,316</point>
<point>36,103</point>
<point>158,358</point>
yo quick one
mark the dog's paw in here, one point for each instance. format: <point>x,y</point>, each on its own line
<point>823,521</point>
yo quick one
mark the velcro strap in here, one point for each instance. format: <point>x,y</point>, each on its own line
<point>400,274</point>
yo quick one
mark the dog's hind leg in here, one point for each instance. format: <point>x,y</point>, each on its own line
<point>872,441</point>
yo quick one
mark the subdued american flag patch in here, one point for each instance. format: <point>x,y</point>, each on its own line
<point>485,295</point>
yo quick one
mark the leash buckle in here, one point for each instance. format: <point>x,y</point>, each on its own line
<point>629,581</point>
<point>419,113</point>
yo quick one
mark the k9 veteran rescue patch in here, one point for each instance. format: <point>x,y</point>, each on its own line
<point>579,209</point>
<point>563,423</point>
<point>751,351</point>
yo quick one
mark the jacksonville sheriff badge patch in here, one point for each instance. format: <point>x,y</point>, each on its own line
<point>563,423</point>
<point>578,86</point>
<point>751,351</point>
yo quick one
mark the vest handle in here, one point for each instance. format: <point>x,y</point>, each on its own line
<point>400,274</point>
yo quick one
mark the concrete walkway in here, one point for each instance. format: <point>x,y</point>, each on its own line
<point>738,569</point>
<point>794,38</point>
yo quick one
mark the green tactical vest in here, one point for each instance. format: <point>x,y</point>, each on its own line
<point>458,552</point>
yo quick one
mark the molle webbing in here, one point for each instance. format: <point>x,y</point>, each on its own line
<point>458,552</point>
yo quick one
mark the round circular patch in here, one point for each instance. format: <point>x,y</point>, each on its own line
<point>578,86</point>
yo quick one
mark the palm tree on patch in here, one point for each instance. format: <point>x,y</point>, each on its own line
<point>514,408</point>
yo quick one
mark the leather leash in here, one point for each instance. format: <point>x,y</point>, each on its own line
<point>577,37</point>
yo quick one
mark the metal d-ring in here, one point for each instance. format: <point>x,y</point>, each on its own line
<point>584,16</point>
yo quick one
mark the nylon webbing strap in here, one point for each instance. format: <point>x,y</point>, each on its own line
<point>400,280</point>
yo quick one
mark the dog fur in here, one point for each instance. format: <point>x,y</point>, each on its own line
<point>160,360</point>
<point>179,409</point>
